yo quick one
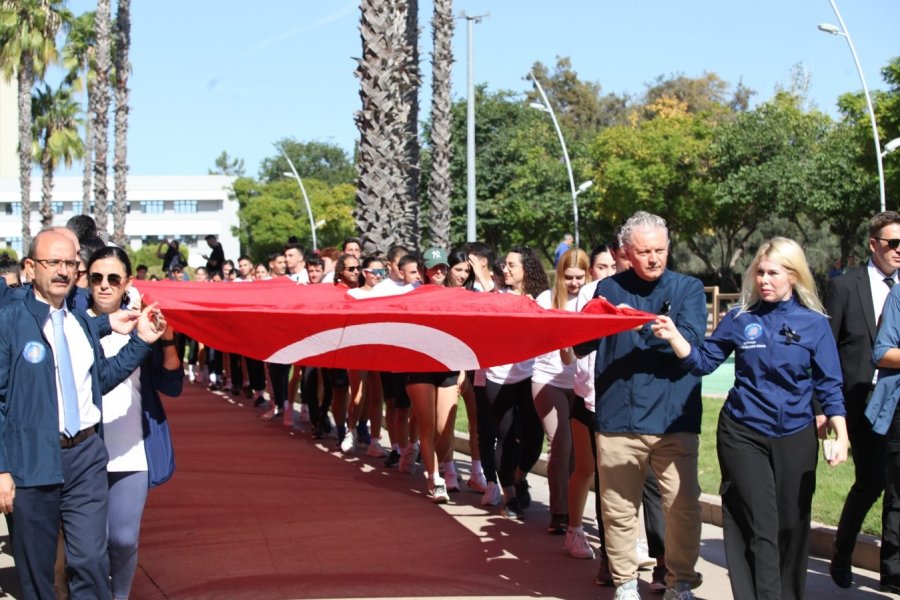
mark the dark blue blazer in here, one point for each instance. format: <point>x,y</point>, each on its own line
<point>29,414</point>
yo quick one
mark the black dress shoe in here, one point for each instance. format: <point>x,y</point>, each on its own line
<point>841,571</point>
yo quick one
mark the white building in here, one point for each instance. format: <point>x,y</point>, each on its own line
<point>160,208</point>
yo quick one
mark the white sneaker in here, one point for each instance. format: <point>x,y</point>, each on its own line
<point>439,493</point>
<point>577,545</point>
<point>477,482</point>
<point>627,591</point>
<point>491,496</point>
<point>347,444</point>
<point>191,376</point>
<point>288,419</point>
<point>375,450</point>
<point>408,458</point>
<point>304,414</point>
<point>644,559</point>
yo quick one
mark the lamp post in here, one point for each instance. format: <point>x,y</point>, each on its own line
<point>295,175</point>
<point>891,146</point>
<point>842,31</point>
<point>546,107</point>
<point>470,122</point>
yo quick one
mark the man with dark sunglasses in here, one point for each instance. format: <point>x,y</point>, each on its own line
<point>854,302</point>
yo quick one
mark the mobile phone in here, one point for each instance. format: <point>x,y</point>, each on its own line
<point>665,308</point>
<point>155,317</point>
<point>828,449</point>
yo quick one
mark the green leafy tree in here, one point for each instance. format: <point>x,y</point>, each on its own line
<point>227,165</point>
<point>314,160</point>
<point>270,213</point>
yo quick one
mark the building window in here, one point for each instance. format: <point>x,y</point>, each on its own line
<point>56,207</point>
<point>14,208</point>
<point>154,207</point>
<point>15,243</point>
<point>185,206</point>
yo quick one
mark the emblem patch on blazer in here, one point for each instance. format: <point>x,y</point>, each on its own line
<point>34,352</point>
<point>753,331</point>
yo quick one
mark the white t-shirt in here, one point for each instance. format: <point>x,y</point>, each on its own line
<point>584,366</point>
<point>123,429</point>
<point>389,287</point>
<point>549,368</point>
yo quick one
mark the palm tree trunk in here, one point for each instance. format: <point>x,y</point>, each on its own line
<point>409,82</point>
<point>440,185</point>
<point>101,116</point>
<point>376,183</point>
<point>46,192</point>
<point>25,82</point>
<point>86,182</point>
<point>120,160</point>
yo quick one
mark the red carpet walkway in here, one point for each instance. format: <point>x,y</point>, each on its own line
<point>256,512</point>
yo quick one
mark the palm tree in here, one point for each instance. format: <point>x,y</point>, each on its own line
<point>120,158</point>
<point>100,116</point>
<point>80,60</point>
<point>56,138</point>
<point>440,185</point>
<point>27,46</point>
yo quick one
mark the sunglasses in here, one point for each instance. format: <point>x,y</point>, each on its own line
<point>114,279</point>
<point>352,269</point>
<point>892,243</point>
<point>375,272</point>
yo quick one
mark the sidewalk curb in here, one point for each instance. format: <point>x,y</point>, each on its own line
<point>821,538</point>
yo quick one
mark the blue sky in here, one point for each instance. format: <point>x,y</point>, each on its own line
<point>236,76</point>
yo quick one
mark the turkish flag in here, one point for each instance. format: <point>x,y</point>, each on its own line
<point>429,329</point>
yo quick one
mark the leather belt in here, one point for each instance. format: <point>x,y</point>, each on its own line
<point>68,442</point>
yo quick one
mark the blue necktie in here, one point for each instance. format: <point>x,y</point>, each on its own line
<point>66,375</point>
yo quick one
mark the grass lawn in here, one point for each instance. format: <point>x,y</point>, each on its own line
<point>832,484</point>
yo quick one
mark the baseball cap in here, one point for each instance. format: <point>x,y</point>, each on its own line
<point>435,257</point>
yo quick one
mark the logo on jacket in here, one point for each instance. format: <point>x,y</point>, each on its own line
<point>34,352</point>
<point>753,331</point>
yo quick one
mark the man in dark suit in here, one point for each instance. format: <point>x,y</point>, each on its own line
<point>854,302</point>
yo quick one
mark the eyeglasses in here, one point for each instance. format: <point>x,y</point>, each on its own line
<point>352,269</point>
<point>53,263</point>
<point>375,272</point>
<point>892,243</point>
<point>114,279</point>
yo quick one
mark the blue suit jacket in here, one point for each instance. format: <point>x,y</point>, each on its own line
<point>29,413</point>
<point>883,403</point>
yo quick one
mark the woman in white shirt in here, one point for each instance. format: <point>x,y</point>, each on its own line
<point>126,418</point>
<point>551,385</point>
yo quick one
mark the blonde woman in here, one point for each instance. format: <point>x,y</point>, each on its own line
<point>766,441</point>
<point>552,384</point>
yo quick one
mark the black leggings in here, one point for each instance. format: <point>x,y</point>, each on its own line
<point>518,427</point>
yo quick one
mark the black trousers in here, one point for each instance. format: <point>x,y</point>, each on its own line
<point>279,375</point>
<point>519,430</point>
<point>256,373</point>
<point>890,515</point>
<point>767,490</point>
<point>487,433</point>
<point>869,466</point>
<point>237,371</point>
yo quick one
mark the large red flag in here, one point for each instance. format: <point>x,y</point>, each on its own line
<point>429,329</point>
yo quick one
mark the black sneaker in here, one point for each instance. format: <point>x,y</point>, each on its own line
<point>393,459</point>
<point>658,579</point>
<point>522,494</point>
<point>260,402</point>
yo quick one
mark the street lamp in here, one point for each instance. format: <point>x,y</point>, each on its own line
<point>890,147</point>
<point>844,32</point>
<point>546,107</point>
<point>295,175</point>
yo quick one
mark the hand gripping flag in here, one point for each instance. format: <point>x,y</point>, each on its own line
<point>429,329</point>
